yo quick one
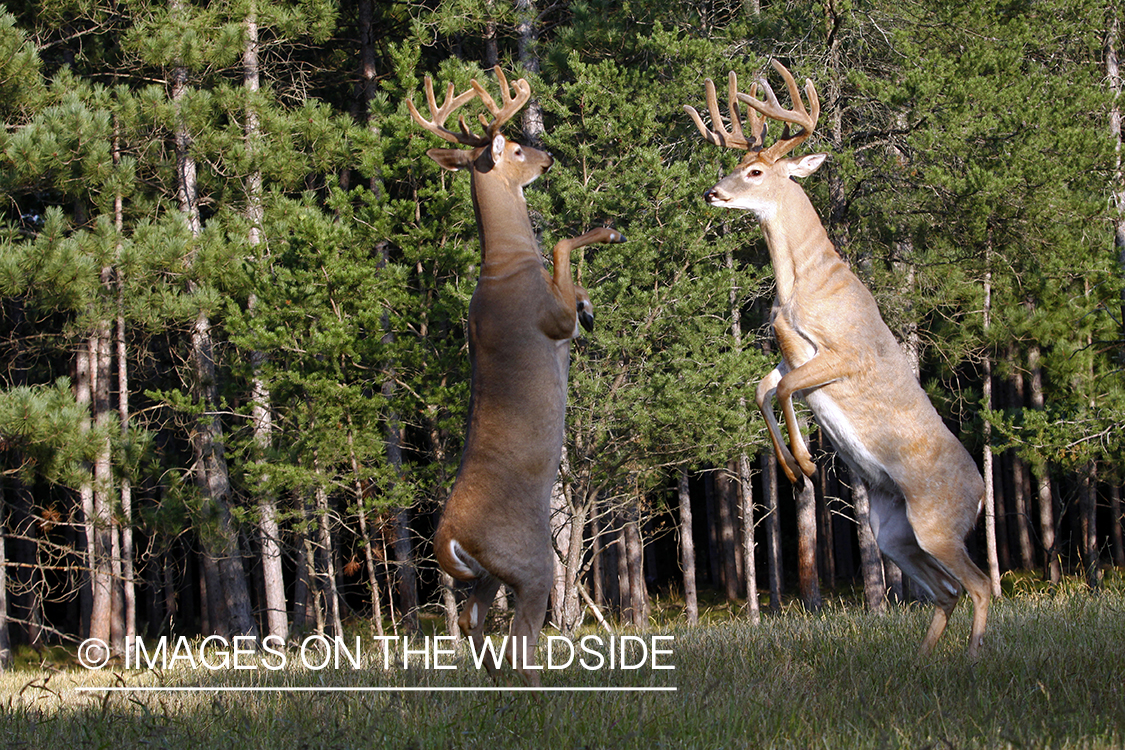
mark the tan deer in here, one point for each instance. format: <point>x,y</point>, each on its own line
<point>837,352</point>
<point>495,528</point>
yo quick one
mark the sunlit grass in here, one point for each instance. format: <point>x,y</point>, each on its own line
<point>1052,675</point>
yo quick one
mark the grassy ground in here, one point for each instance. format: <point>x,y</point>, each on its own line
<point>1052,675</point>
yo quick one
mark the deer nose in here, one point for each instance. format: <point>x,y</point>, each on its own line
<point>709,195</point>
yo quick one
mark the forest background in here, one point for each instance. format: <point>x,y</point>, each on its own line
<point>235,374</point>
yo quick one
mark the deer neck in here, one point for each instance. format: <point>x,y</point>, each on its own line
<point>800,251</point>
<point>506,235</point>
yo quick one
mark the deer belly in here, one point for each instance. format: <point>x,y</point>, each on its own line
<point>845,438</point>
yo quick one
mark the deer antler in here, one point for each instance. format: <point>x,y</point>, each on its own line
<point>512,104</point>
<point>796,116</point>
<point>757,115</point>
<point>500,115</point>
<point>439,115</point>
<point>734,138</point>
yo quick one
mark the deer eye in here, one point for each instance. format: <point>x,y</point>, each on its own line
<point>755,173</point>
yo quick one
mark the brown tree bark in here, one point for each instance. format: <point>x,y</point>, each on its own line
<point>725,494</point>
<point>989,473</point>
<point>1088,532</point>
<point>1052,564</point>
<point>749,551</point>
<point>1116,521</point>
<point>261,412</point>
<point>807,574</point>
<point>870,560</point>
<point>5,638</point>
<point>773,528</point>
<point>687,551</point>
<point>634,554</point>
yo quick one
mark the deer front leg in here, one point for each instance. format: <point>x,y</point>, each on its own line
<point>764,397</point>
<point>585,309</point>
<point>562,320</point>
<point>820,370</point>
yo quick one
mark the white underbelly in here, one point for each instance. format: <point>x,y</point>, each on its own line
<point>845,439</point>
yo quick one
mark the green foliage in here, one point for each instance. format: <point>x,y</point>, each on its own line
<point>966,141</point>
<point>44,432</point>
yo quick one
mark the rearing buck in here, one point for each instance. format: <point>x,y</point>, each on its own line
<point>495,527</point>
<point>838,353</point>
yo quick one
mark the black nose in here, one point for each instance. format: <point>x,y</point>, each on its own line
<point>708,195</point>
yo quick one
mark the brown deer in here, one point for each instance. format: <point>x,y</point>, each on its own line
<point>495,528</point>
<point>837,352</point>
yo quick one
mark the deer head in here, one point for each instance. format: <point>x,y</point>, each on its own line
<point>489,153</point>
<point>763,174</point>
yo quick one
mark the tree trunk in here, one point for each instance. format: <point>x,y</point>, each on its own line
<point>491,47</point>
<point>1087,508</point>
<point>261,413</point>
<point>98,544</point>
<point>572,609</point>
<point>5,637</point>
<point>621,560</point>
<point>773,528</point>
<point>809,583</point>
<point>986,434</point>
<point>1052,564</point>
<point>745,489</point>
<point>326,566</point>
<point>1117,188</point>
<point>527,31</point>
<point>634,554</point>
<point>1021,483</point>
<point>1116,520</point>
<point>750,565</point>
<point>687,551</point>
<point>407,577</point>
<point>128,585</point>
<point>211,473</point>
<point>726,496</point>
<point>562,516</point>
<point>365,538</point>
<point>870,561</point>
<point>302,586</point>
<point>448,606</point>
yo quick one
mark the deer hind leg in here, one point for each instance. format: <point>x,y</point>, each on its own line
<point>532,594</point>
<point>947,546</point>
<point>562,320</point>
<point>764,396</point>
<point>474,613</point>
<point>899,541</point>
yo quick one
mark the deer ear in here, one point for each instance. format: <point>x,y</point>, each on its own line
<point>806,165</point>
<point>498,144</point>
<point>450,158</point>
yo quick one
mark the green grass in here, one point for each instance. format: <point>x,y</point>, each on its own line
<point>1052,675</point>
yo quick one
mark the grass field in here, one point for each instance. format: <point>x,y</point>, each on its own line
<point>1052,675</point>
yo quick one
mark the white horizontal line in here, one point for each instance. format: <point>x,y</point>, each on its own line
<point>284,689</point>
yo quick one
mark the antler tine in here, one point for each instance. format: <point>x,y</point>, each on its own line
<point>797,116</point>
<point>440,114</point>
<point>512,104</point>
<point>734,138</point>
<point>755,119</point>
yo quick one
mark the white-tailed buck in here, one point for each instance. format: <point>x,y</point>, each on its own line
<point>837,352</point>
<point>495,527</point>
